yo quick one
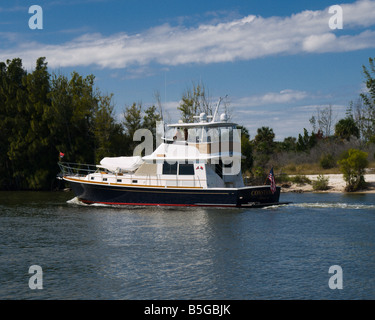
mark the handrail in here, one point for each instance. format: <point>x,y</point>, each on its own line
<point>76,169</point>
<point>80,170</point>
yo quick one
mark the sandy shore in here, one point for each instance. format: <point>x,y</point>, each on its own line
<point>336,183</point>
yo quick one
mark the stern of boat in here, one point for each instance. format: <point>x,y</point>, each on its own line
<point>258,195</point>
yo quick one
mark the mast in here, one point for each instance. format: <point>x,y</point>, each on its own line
<point>217,108</point>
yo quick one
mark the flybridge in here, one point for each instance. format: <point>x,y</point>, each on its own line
<point>216,143</point>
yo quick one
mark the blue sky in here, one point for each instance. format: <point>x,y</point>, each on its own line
<point>278,61</point>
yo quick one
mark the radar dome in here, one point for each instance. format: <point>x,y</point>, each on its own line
<point>223,117</point>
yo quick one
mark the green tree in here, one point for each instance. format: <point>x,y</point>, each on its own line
<point>289,144</point>
<point>26,147</point>
<point>346,128</point>
<point>246,150</point>
<point>133,118</point>
<point>4,129</point>
<point>352,164</point>
<point>194,101</point>
<point>132,122</point>
<point>74,102</point>
<point>149,121</point>
<point>368,114</point>
<point>264,140</point>
<point>60,116</point>
<point>109,137</point>
<point>15,122</point>
<point>40,150</point>
<point>264,146</point>
<point>151,117</point>
<point>306,142</point>
<point>84,102</point>
<point>41,115</point>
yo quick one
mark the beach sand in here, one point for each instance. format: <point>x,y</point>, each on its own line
<point>336,183</point>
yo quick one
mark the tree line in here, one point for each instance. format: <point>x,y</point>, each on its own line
<point>347,143</point>
<point>358,124</point>
<point>43,114</point>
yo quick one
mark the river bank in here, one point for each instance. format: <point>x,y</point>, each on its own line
<point>336,184</point>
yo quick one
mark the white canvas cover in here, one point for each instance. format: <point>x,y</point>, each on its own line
<point>120,164</point>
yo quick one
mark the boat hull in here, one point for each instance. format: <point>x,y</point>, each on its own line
<point>134,195</point>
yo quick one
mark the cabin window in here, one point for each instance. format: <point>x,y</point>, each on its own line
<point>186,169</point>
<point>104,179</point>
<point>169,168</point>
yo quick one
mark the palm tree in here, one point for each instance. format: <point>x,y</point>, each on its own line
<point>346,128</point>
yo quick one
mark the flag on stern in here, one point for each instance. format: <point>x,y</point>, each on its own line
<point>62,155</point>
<point>271,177</point>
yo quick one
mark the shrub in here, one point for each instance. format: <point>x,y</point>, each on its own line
<point>327,161</point>
<point>300,179</point>
<point>282,178</point>
<point>320,184</point>
<point>352,164</point>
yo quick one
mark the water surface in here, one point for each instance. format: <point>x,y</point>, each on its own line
<point>101,252</point>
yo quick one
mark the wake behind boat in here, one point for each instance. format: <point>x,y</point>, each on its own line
<point>197,164</point>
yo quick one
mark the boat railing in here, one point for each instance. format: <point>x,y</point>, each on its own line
<point>76,169</point>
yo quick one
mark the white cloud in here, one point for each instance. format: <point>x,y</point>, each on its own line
<point>13,9</point>
<point>247,38</point>
<point>359,14</point>
<point>316,43</point>
<point>328,42</point>
<point>270,98</point>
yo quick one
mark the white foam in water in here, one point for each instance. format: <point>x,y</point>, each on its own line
<point>333,205</point>
<point>274,206</point>
<point>76,201</point>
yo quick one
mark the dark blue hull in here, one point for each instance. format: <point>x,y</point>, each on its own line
<point>129,195</point>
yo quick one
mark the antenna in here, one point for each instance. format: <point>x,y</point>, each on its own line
<point>217,108</point>
<point>165,88</point>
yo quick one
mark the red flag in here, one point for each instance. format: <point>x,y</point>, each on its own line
<point>62,155</point>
